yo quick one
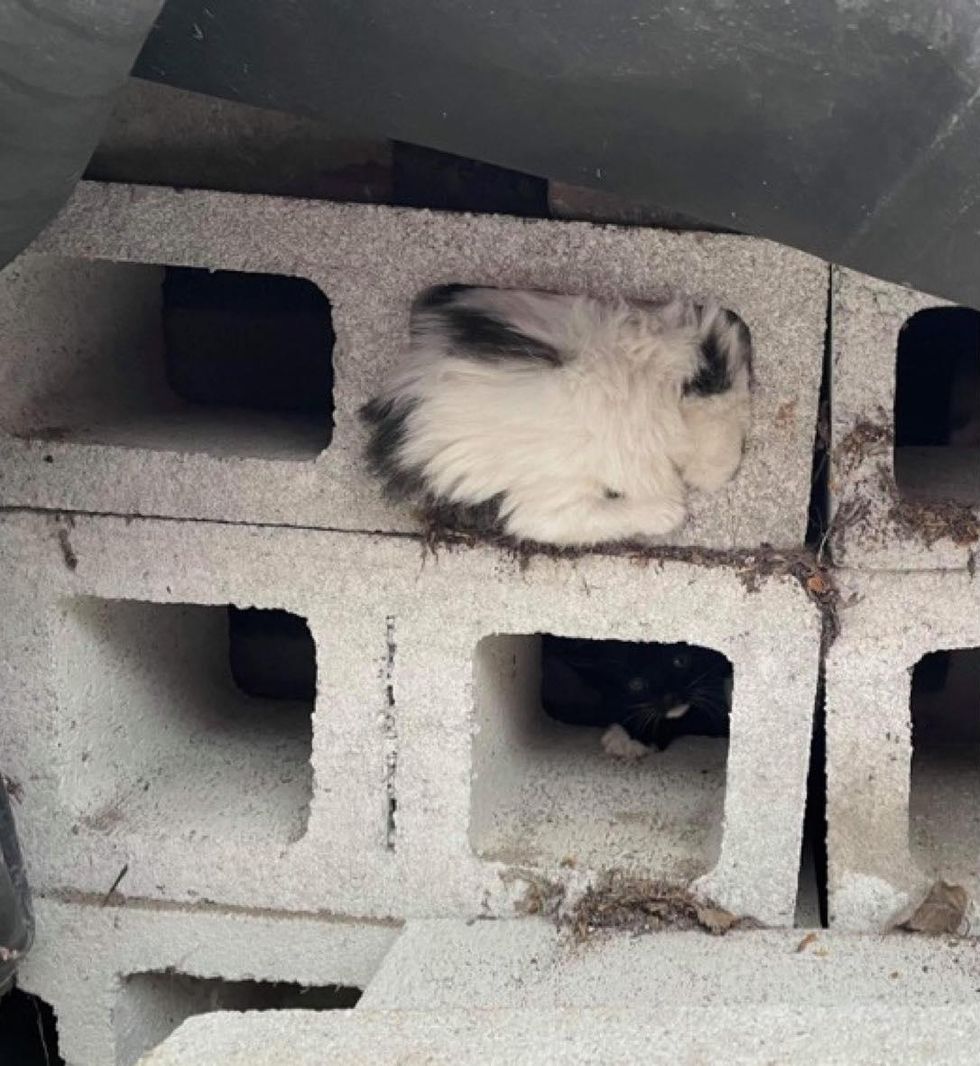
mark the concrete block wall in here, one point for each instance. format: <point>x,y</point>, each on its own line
<point>86,422</point>
<point>423,781</point>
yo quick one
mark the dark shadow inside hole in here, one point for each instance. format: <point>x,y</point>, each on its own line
<point>212,994</point>
<point>28,1031</point>
<point>656,692</point>
<point>944,803</point>
<point>937,406</point>
<point>272,654</point>
<point>812,905</point>
<point>260,342</point>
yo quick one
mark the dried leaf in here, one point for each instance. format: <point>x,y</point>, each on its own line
<point>941,912</point>
<point>806,942</point>
<point>716,920</point>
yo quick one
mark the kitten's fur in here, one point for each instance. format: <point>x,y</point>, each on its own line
<point>562,419</point>
<point>642,694</point>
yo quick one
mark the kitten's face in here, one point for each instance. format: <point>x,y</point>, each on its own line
<point>657,692</point>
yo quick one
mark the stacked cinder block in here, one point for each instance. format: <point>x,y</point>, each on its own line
<point>86,422</point>
<point>902,786</point>
<point>423,780</point>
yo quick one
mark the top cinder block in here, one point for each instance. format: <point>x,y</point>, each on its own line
<point>905,466</point>
<point>90,421</point>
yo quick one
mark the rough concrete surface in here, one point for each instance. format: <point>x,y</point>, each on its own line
<point>844,1035</point>
<point>521,965</point>
<point>867,316</point>
<point>897,823</point>
<point>113,453</point>
<point>121,977</point>
<point>426,757</point>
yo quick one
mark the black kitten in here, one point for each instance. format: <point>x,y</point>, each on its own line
<point>644,695</point>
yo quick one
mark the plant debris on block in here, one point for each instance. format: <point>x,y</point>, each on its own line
<point>941,913</point>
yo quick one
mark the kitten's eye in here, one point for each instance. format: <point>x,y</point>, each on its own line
<point>636,684</point>
<point>612,494</point>
<point>682,661</point>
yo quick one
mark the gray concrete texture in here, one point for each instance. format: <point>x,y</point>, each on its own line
<point>86,424</point>
<point>844,1035</point>
<point>867,316</point>
<point>121,977</point>
<point>524,965</point>
<point>902,802</point>
<point>428,780</point>
<point>521,991</point>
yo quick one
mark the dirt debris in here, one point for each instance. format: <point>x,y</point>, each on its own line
<point>863,440</point>
<point>752,567</point>
<point>946,520</point>
<point>618,902</point>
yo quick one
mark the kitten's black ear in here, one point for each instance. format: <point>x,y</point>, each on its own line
<point>725,348</point>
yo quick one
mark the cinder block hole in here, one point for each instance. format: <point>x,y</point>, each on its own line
<point>169,359</point>
<point>152,1005</point>
<point>937,406</point>
<point>544,790</point>
<point>944,806</point>
<point>28,1031</point>
<point>187,719</point>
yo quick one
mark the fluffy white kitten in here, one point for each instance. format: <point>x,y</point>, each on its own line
<point>562,419</point>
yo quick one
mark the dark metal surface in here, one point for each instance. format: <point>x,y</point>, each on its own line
<point>60,61</point>
<point>850,128</point>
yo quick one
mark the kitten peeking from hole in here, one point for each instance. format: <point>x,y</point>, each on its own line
<point>642,695</point>
<point>561,419</point>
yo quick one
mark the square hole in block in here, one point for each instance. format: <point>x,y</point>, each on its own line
<point>937,406</point>
<point>152,1005</point>
<point>944,805</point>
<point>166,358</point>
<point>187,719</point>
<point>545,791</point>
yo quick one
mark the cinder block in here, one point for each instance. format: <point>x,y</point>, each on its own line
<point>437,783</point>
<point>902,801</point>
<point>864,1035</point>
<point>891,506</point>
<point>88,424</point>
<point>530,965</point>
<point>121,978</point>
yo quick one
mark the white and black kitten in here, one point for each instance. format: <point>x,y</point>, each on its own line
<point>561,419</point>
<point>643,695</point>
